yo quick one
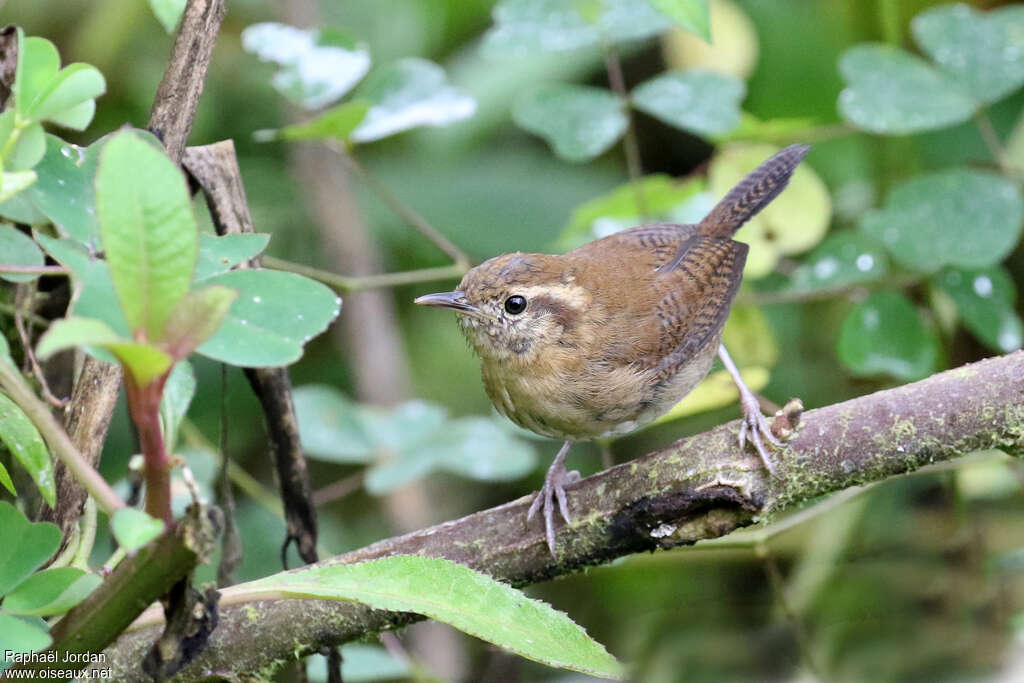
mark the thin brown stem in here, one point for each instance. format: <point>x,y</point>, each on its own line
<point>35,270</point>
<point>630,144</point>
<point>992,141</point>
<point>338,489</point>
<point>403,210</point>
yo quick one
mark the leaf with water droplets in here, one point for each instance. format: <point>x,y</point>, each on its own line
<point>956,217</point>
<point>274,315</point>
<point>892,92</point>
<point>64,191</point>
<point>984,299</point>
<point>699,101</point>
<point>579,122</point>
<point>885,335</point>
<point>23,441</point>
<point>983,51</point>
<point>844,258</point>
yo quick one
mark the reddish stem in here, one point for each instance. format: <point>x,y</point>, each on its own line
<point>144,406</point>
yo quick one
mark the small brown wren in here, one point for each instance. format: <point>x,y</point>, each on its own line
<point>608,337</point>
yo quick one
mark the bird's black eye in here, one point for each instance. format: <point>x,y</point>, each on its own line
<point>515,304</point>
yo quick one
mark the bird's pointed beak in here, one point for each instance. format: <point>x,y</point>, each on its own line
<point>455,300</point>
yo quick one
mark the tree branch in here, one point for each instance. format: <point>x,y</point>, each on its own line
<point>700,487</point>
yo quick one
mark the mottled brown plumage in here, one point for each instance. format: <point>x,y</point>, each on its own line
<point>612,334</point>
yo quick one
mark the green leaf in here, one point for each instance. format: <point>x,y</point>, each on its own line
<point>221,254</point>
<point>149,231</point>
<point>134,528</point>
<point>693,15</point>
<point>981,50</point>
<point>956,217</point>
<point>5,480</point>
<point>336,123</point>
<point>142,361</point>
<point>77,117</point>
<point>409,93</point>
<point>318,65</point>
<point>698,101</point>
<point>168,12</point>
<point>26,545</point>
<point>604,215</point>
<point>49,592</point>
<point>332,427</point>
<point>885,335</point>
<point>472,447</point>
<point>985,301</point>
<point>178,392</point>
<point>274,315</point>
<point>522,27</point>
<point>892,92</point>
<point>45,91</point>
<point>844,258</point>
<point>579,122</point>
<point>20,636</point>
<point>64,192</point>
<point>28,150</point>
<point>196,318</point>
<point>23,441</point>
<point>468,600</point>
<point>94,295</point>
<point>18,249</point>
<point>11,183</point>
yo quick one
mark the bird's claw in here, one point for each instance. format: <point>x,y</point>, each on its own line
<point>553,489</point>
<point>755,426</point>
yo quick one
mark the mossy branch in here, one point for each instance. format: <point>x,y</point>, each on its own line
<point>697,488</point>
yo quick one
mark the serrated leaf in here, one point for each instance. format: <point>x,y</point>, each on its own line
<point>196,318</point>
<point>26,445</point>
<point>579,122</point>
<point>134,528</point>
<point>27,546</point>
<point>221,254</point>
<point>699,101</point>
<point>984,299</point>
<point>525,26</point>
<point>924,220</point>
<point>318,66</point>
<point>149,232</point>
<point>885,335</point>
<point>891,92</point>
<point>142,361</point>
<point>18,249</point>
<point>50,592</point>
<point>177,395</point>
<point>331,426</point>
<point>274,315</point>
<point>844,258</point>
<point>336,123</point>
<point>168,12</point>
<point>407,94</point>
<point>981,50</point>
<point>21,636</point>
<point>468,600</point>
<point>693,15</point>
<point>64,192</point>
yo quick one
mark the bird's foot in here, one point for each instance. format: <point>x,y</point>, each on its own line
<point>755,427</point>
<point>554,489</point>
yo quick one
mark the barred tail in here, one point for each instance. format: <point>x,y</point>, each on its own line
<point>753,193</point>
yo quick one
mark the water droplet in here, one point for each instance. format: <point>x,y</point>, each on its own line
<point>825,268</point>
<point>870,318</point>
<point>983,286</point>
<point>61,181</point>
<point>256,299</point>
<point>245,322</point>
<point>865,262</point>
<point>66,151</point>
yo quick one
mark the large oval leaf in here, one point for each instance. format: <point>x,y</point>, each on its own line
<point>468,600</point>
<point>885,335</point>
<point>984,299</point>
<point>957,217</point>
<point>579,122</point>
<point>274,315</point>
<point>703,102</point>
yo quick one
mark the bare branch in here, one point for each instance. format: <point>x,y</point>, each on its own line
<point>697,488</point>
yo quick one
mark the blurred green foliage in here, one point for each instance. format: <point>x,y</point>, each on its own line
<point>921,262</point>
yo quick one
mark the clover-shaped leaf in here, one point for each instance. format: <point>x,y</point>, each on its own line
<point>579,122</point>
<point>699,101</point>
<point>318,66</point>
<point>44,91</point>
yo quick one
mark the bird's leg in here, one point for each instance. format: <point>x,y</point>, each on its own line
<point>754,423</point>
<point>554,487</point>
